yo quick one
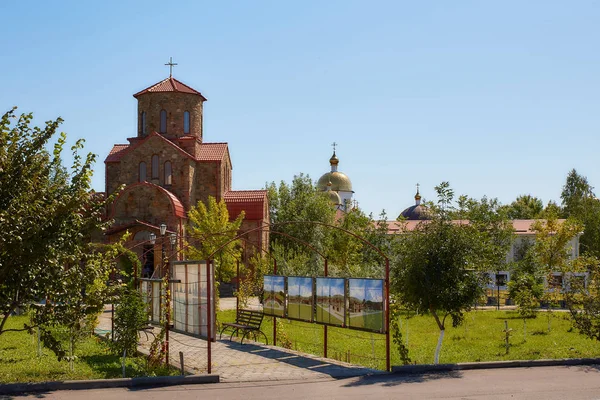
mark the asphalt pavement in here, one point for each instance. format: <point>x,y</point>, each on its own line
<point>547,383</point>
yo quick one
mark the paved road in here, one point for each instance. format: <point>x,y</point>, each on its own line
<point>547,383</point>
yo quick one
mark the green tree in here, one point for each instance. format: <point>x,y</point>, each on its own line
<point>130,316</point>
<point>552,251</point>
<point>209,229</point>
<point>48,214</point>
<point>492,227</point>
<point>526,286</point>
<point>525,207</point>
<point>551,209</point>
<point>436,266</point>
<point>300,201</point>
<point>579,202</point>
<point>346,253</point>
<point>583,298</point>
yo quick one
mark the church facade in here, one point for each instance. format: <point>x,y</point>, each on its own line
<point>167,168</point>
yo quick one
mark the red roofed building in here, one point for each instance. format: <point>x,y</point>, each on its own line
<point>167,168</point>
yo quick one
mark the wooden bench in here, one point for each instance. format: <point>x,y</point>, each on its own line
<point>247,321</point>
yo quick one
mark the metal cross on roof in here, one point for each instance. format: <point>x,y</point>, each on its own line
<point>171,64</point>
<point>334,144</point>
<point>418,187</point>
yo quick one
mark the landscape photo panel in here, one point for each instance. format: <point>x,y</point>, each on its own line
<point>300,298</point>
<point>331,301</point>
<point>274,295</point>
<point>365,304</point>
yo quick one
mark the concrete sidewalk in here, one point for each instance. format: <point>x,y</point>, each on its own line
<point>251,361</point>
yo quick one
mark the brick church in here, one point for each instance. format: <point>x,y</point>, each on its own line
<point>167,168</point>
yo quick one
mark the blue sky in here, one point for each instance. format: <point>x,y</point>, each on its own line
<point>369,289</point>
<point>330,286</point>
<point>274,283</point>
<point>300,286</point>
<point>499,98</point>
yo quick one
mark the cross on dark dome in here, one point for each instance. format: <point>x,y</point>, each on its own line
<point>171,64</point>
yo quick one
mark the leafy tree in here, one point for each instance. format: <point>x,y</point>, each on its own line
<point>48,215</point>
<point>294,262</point>
<point>579,202</point>
<point>130,316</point>
<point>552,251</point>
<point>575,193</point>
<point>346,253</point>
<point>210,228</point>
<point>551,209</point>
<point>252,278</point>
<point>526,286</point>
<point>300,201</point>
<point>525,207</point>
<point>552,239</point>
<point>492,227</point>
<point>583,298</point>
<point>436,266</point>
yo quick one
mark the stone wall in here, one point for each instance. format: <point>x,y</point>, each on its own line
<point>127,170</point>
<point>144,203</point>
<point>205,181</point>
<point>175,104</point>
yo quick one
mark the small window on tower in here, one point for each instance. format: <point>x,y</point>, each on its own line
<point>186,122</point>
<point>163,121</point>
<point>144,131</point>
<point>142,172</point>
<point>168,173</point>
<point>155,166</point>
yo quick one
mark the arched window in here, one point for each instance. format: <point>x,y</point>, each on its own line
<point>142,172</point>
<point>155,166</point>
<point>168,173</point>
<point>163,121</point>
<point>186,122</point>
<point>144,131</point>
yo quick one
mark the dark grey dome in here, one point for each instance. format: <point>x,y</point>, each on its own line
<point>416,212</point>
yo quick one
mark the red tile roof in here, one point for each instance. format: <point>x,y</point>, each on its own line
<point>208,151</point>
<point>178,208</point>
<point>116,152</point>
<point>212,151</point>
<point>170,85</point>
<point>520,226</point>
<point>252,202</point>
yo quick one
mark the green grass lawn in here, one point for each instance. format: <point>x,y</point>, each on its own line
<point>480,338</point>
<point>19,361</point>
<point>300,311</point>
<point>371,320</point>
<point>326,317</point>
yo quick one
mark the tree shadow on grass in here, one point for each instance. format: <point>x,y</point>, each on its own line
<point>107,364</point>
<point>395,379</point>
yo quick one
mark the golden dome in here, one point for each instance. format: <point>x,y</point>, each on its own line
<point>334,160</point>
<point>339,181</point>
